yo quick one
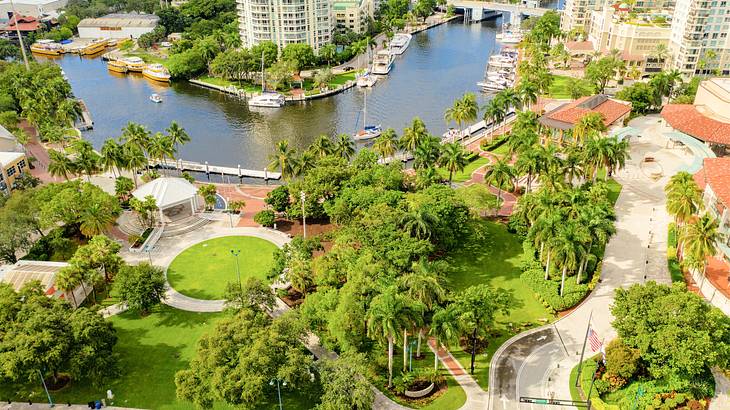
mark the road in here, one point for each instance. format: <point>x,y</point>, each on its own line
<point>530,365</point>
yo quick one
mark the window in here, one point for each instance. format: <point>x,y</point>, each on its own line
<point>21,165</point>
<point>10,171</point>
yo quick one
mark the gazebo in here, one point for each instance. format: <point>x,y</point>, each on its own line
<point>175,197</point>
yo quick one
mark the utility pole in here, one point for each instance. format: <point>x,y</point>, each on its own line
<point>20,37</point>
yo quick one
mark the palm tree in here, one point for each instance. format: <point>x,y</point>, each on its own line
<point>445,329</point>
<point>700,239</point>
<point>530,163</point>
<point>86,159</point>
<point>109,155</point>
<point>572,163</point>
<point>68,280</point>
<point>322,146</point>
<point>493,114</point>
<point>684,197</point>
<point>160,148</point>
<point>384,320</point>
<point>304,163</point>
<point>344,146</point>
<point>598,220</point>
<point>134,159</point>
<point>136,135</point>
<point>419,222</point>
<point>60,164</point>
<point>453,158</point>
<point>425,284</point>
<point>660,52</point>
<point>500,174</point>
<point>521,141</point>
<point>94,220</point>
<point>386,144</point>
<point>177,135</point>
<point>542,233</point>
<point>569,248</point>
<point>67,111</point>
<point>282,159</point>
<point>588,125</point>
<point>413,135</point>
<point>427,153</point>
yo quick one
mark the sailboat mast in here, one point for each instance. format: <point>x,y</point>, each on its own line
<point>263,82</point>
<point>365,111</point>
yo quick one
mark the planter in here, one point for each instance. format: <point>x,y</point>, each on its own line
<point>420,393</point>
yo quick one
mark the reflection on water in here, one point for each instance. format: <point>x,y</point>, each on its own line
<point>439,66</point>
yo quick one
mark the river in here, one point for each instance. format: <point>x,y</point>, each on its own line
<point>440,65</point>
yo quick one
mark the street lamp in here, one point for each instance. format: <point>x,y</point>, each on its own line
<point>50,401</point>
<point>278,389</point>
<point>303,196</point>
<point>235,253</point>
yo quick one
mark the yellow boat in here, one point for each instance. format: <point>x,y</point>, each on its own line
<point>134,64</point>
<point>117,66</point>
<point>47,47</point>
<point>156,72</point>
<point>94,47</point>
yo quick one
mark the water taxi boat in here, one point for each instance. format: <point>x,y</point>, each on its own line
<point>117,66</point>
<point>400,43</point>
<point>156,72</point>
<point>268,100</point>
<point>134,64</point>
<point>382,62</point>
<point>155,98</point>
<point>47,47</point>
<point>366,80</point>
<point>94,47</point>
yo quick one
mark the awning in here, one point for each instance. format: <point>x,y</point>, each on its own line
<point>698,148</point>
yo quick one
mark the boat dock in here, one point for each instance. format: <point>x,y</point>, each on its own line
<point>217,169</point>
<point>86,122</point>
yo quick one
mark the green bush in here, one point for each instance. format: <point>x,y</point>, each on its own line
<point>487,145</point>
<point>265,218</point>
<point>621,360</point>
<point>278,199</point>
<point>548,291</point>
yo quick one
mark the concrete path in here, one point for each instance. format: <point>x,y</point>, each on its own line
<point>476,397</point>
<point>538,363</point>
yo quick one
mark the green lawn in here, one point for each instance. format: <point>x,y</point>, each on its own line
<point>203,270</point>
<point>452,399</point>
<point>151,350</point>
<point>465,175</point>
<point>147,57</point>
<point>559,89</point>
<point>493,258</point>
<point>341,79</point>
<point>222,82</point>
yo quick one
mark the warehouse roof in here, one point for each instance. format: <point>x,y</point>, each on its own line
<point>121,20</point>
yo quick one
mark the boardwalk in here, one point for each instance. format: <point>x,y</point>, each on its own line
<point>217,169</point>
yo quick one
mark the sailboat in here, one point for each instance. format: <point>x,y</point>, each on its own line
<point>266,99</point>
<point>369,131</point>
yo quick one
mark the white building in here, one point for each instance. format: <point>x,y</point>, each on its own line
<point>285,22</point>
<point>118,26</point>
<point>699,41</point>
<point>24,271</point>
<point>33,8</point>
<point>353,15</point>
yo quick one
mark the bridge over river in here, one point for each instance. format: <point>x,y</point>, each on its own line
<point>475,10</point>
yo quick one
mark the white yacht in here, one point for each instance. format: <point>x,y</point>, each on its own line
<point>382,63</point>
<point>366,80</point>
<point>155,98</point>
<point>400,43</point>
<point>510,38</point>
<point>267,99</point>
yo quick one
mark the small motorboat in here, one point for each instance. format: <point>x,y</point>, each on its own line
<point>155,98</point>
<point>366,80</point>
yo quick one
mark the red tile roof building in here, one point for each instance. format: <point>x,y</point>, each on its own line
<point>715,173</point>
<point>24,24</point>
<point>566,116</point>
<point>687,119</point>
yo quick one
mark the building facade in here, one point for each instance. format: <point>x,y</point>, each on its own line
<point>285,22</point>
<point>700,40</point>
<point>714,180</point>
<point>12,165</point>
<point>353,15</point>
<point>118,26</point>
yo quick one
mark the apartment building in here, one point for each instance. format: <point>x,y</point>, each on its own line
<point>353,15</point>
<point>636,35</point>
<point>699,40</point>
<point>285,22</point>
<point>577,13</point>
<point>12,164</point>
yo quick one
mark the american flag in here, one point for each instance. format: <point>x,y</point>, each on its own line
<point>594,341</point>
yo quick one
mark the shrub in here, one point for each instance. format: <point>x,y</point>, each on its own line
<point>621,360</point>
<point>547,291</point>
<point>278,199</point>
<point>487,145</point>
<point>265,218</point>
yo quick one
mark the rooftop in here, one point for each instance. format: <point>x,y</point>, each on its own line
<point>687,119</point>
<point>9,157</point>
<point>25,271</point>
<point>567,115</point>
<point>167,191</point>
<point>579,45</point>
<point>716,173</point>
<point>24,23</point>
<point>30,2</point>
<point>121,20</point>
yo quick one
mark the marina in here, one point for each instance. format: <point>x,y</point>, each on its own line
<point>226,132</point>
<point>208,169</point>
<point>500,71</point>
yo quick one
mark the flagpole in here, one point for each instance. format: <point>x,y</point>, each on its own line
<point>582,352</point>
<point>590,390</point>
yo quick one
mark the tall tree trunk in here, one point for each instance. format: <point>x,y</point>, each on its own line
<point>418,346</point>
<point>580,272</point>
<point>473,348</point>
<point>562,281</point>
<point>547,267</point>
<point>390,361</point>
<point>436,355</point>
<point>405,350</point>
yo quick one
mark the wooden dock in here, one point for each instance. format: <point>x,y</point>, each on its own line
<point>217,169</point>
<point>86,122</point>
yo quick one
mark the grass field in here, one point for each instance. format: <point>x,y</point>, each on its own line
<point>493,259</point>
<point>203,270</point>
<point>465,175</point>
<point>559,88</point>
<point>222,82</point>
